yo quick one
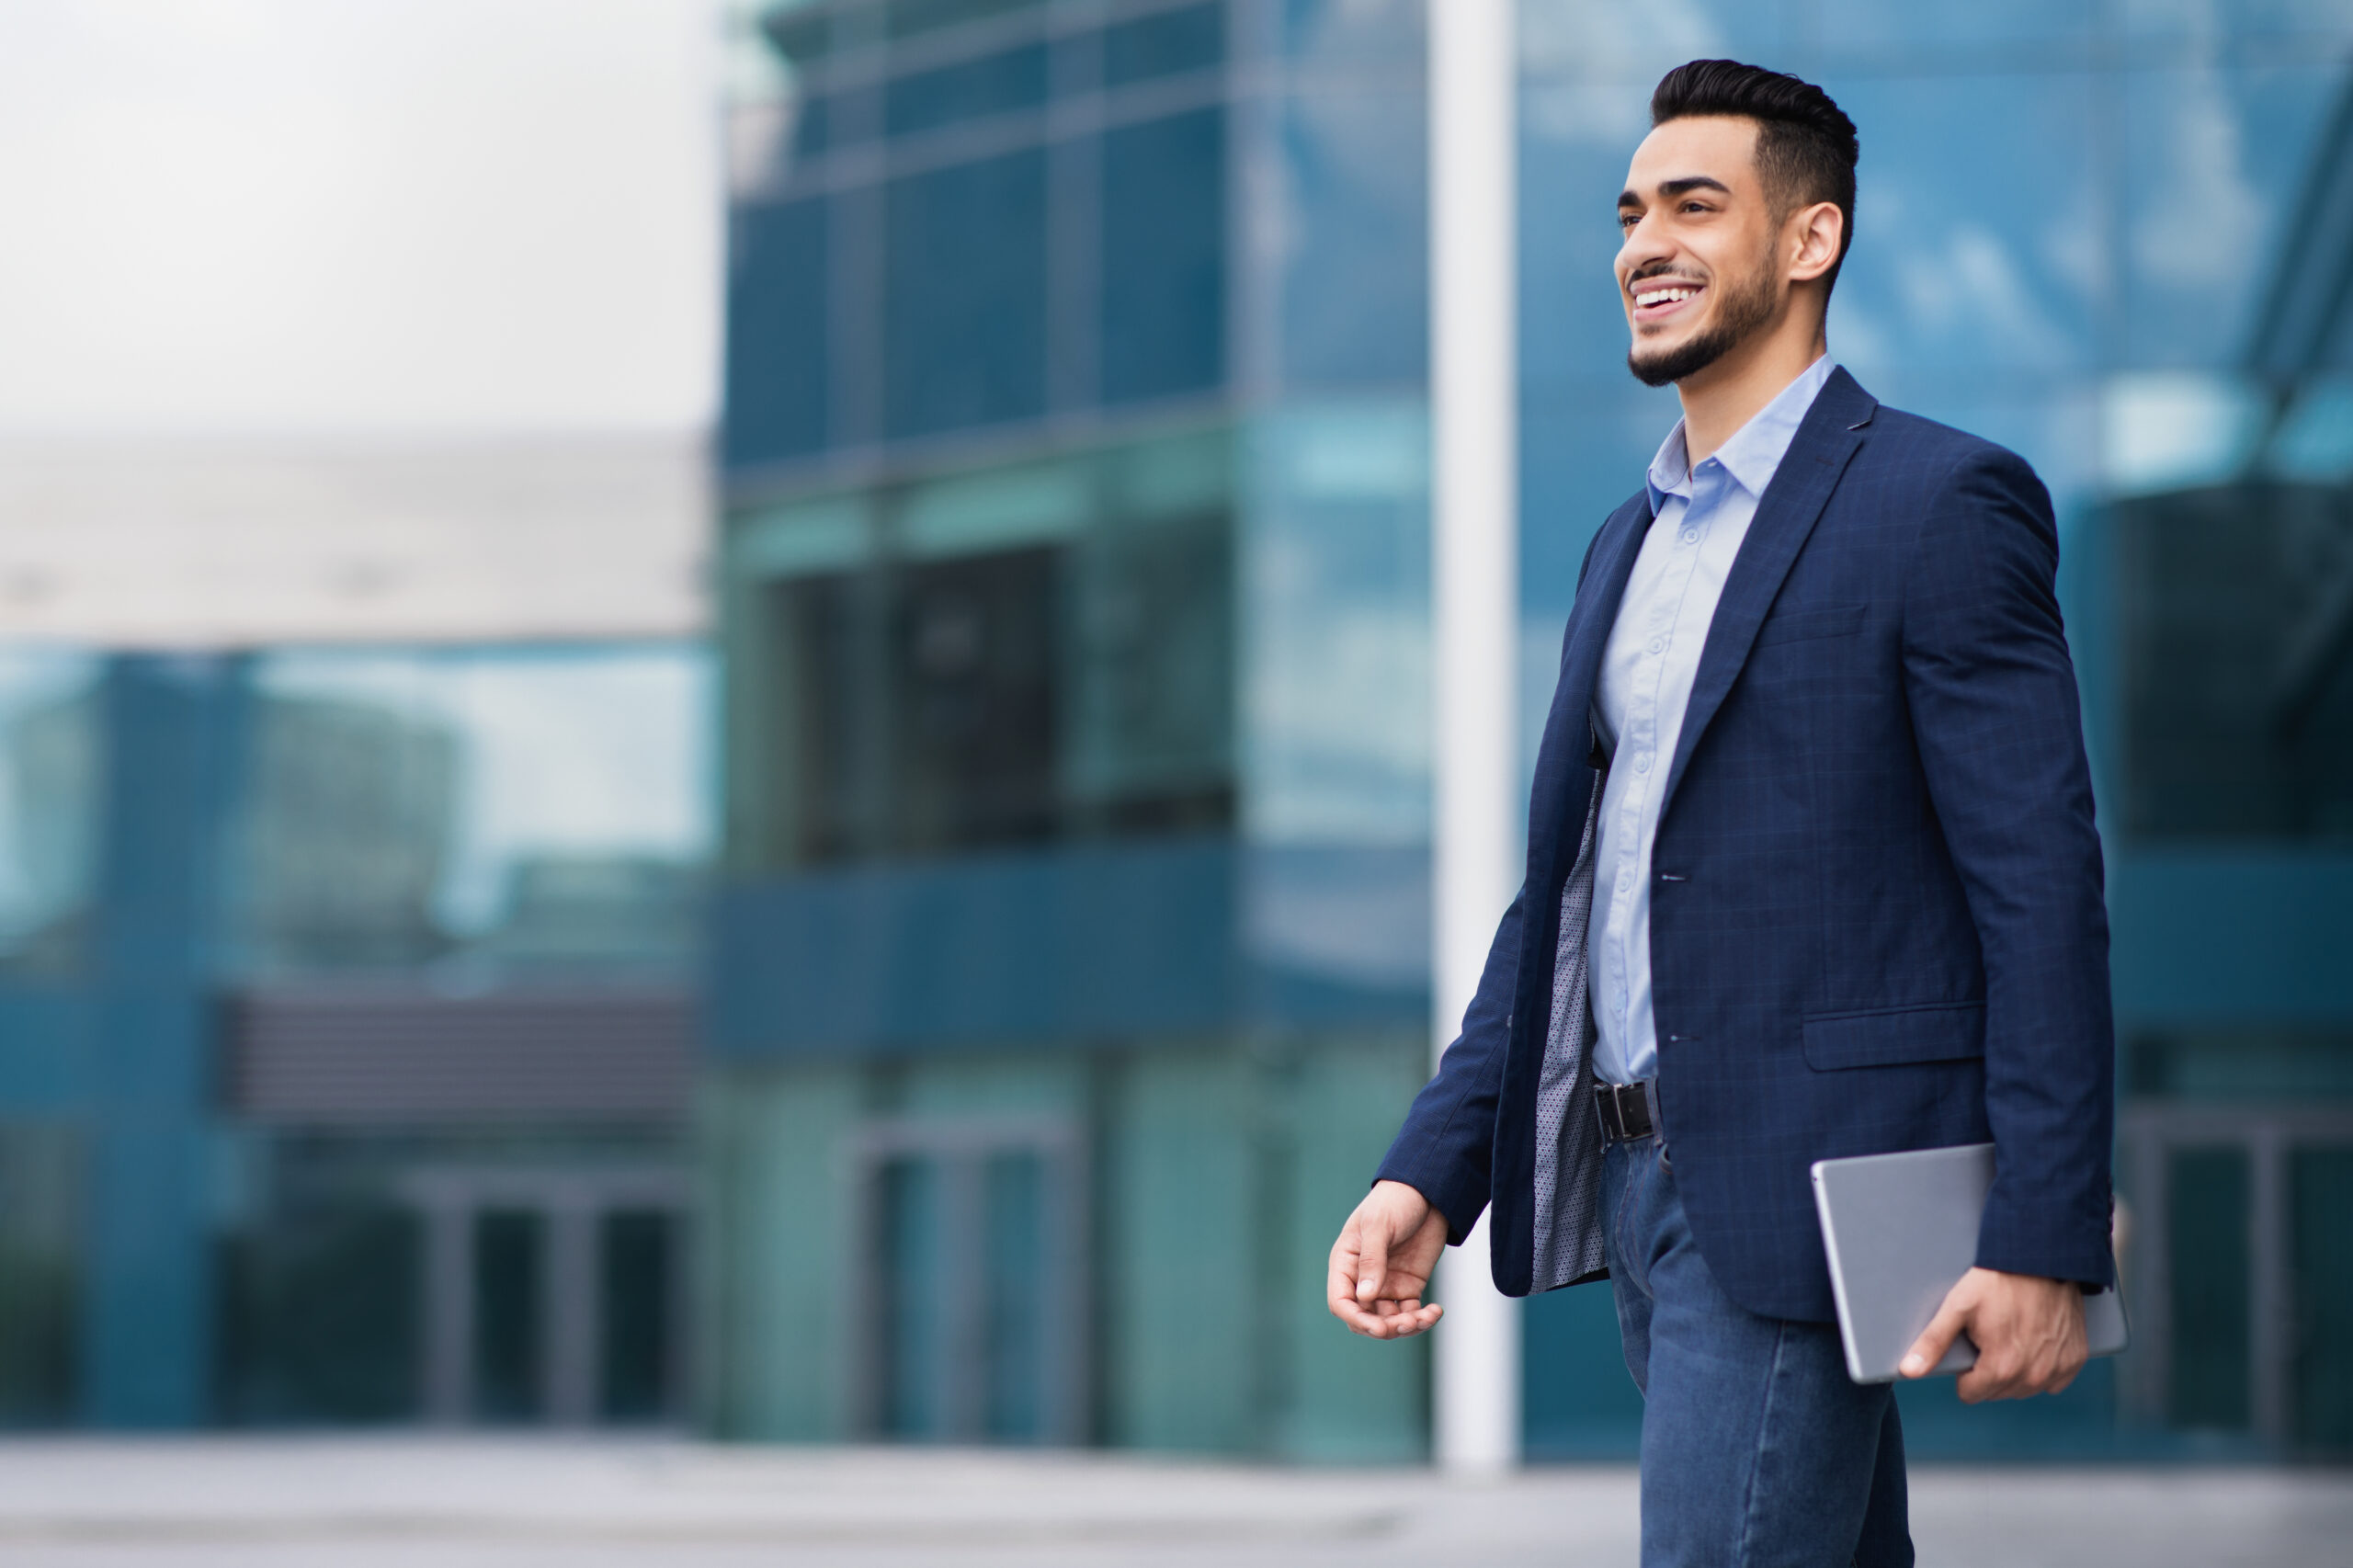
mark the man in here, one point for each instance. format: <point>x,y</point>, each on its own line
<point>1812,873</point>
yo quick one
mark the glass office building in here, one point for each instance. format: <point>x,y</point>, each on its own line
<point>346,1024</point>
<point>1070,955</point>
<point>1070,951</point>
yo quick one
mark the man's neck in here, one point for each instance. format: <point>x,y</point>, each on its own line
<point>1729,393</point>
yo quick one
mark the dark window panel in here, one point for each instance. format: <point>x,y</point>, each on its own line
<point>966,313</point>
<point>1163,44</point>
<point>510,1315</point>
<point>2238,662</point>
<point>1163,258</point>
<point>997,84</point>
<point>1152,703</point>
<point>2322,1183</point>
<point>639,1260</point>
<point>911,1289</point>
<point>830,628</point>
<point>776,341</point>
<point>973,696</point>
<point>319,1318</point>
<point>2211,1322</point>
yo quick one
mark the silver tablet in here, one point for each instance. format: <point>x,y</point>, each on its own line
<point>1901,1230</point>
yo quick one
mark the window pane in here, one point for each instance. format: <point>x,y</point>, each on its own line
<point>836,720</point>
<point>2238,662</point>
<point>1013,1215</point>
<point>910,16</point>
<point>41,1206</point>
<point>1151,677</point>
<point>927,99</point>
<point>966,295</point>
<point>911,1288</point>
<point>972,701</point>
<point>1164,256</point>
<point>777,360</point>
<point>511,1314</point>
<point>1355,280</point>
<point>639,1262</point>
<point>488,813</point>
<point>1163,44</point>
<point>50,740</point>
<point>2208,1244</point>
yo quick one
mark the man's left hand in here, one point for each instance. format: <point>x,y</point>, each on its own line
<point>2029,1333</point>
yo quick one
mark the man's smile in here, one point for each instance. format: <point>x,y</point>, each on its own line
<point>1657,298</point>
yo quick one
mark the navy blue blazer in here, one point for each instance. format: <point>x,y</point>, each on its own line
<point>1878,921</point>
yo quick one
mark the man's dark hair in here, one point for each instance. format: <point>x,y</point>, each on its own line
<point>1806,146</point>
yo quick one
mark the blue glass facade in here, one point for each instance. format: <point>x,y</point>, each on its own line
<point>274,926</point>
<point>1077,736</point>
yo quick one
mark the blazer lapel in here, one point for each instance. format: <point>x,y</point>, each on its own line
<point>1792,503</point>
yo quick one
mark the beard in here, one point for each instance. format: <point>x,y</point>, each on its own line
<point>1746,307</point>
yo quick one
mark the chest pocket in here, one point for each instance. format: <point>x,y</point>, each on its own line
<point>1793,625</point>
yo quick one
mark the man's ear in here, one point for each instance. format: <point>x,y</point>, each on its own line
<point>1814,233</point>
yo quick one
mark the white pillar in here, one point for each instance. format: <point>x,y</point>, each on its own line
<point>1475,615</point>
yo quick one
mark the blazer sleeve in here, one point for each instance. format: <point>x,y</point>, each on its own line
<point>1446,1150</point>
<point>1994,713</point>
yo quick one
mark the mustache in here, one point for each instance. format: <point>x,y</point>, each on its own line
<point>1660,270</point>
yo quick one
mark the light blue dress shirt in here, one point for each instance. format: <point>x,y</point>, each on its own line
<point>1699,517</point>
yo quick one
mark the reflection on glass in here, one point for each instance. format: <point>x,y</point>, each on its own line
<point>1011,656</point>
<point>49,806</point>
<point>481,812</point>
<point>2239,660</point>
<point>40,1224</point>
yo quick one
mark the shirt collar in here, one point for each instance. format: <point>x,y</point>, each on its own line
<point>1755,450</point>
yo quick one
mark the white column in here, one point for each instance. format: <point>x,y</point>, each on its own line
<point>1475,615</point>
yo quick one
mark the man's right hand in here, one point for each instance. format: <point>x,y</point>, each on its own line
<point>1382,1263</point>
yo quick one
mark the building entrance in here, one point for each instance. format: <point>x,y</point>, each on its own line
<point>549,1294</point>
<point>970,1286</point>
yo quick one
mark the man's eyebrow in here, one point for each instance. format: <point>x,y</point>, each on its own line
<point>1673,187</point>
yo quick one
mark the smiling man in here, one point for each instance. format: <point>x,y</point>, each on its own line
<point>1812,873</point>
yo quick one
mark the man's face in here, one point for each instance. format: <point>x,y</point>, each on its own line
<point>1696,273</point>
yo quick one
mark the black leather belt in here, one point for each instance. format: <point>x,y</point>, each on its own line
<point>1628,1111</point>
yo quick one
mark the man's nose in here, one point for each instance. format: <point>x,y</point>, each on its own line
<point>1644,244</point>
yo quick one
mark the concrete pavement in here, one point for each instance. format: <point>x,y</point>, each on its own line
<point>538,1503</point>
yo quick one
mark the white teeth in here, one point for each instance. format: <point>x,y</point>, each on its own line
<point>1657,296</point>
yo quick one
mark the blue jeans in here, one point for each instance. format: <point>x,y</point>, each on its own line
<point>1759,1451</point>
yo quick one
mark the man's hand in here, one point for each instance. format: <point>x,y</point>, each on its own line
<point>2029,1333</point>
<point>1382,1263</point>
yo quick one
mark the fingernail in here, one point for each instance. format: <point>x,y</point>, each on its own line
<point>1914,1366</point>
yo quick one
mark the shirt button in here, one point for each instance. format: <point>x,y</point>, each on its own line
<point>1690,536</point>
<point>1658,645</point>
<point>1643,763</point>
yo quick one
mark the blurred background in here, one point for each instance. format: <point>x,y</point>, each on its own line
<point>717,717</point>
